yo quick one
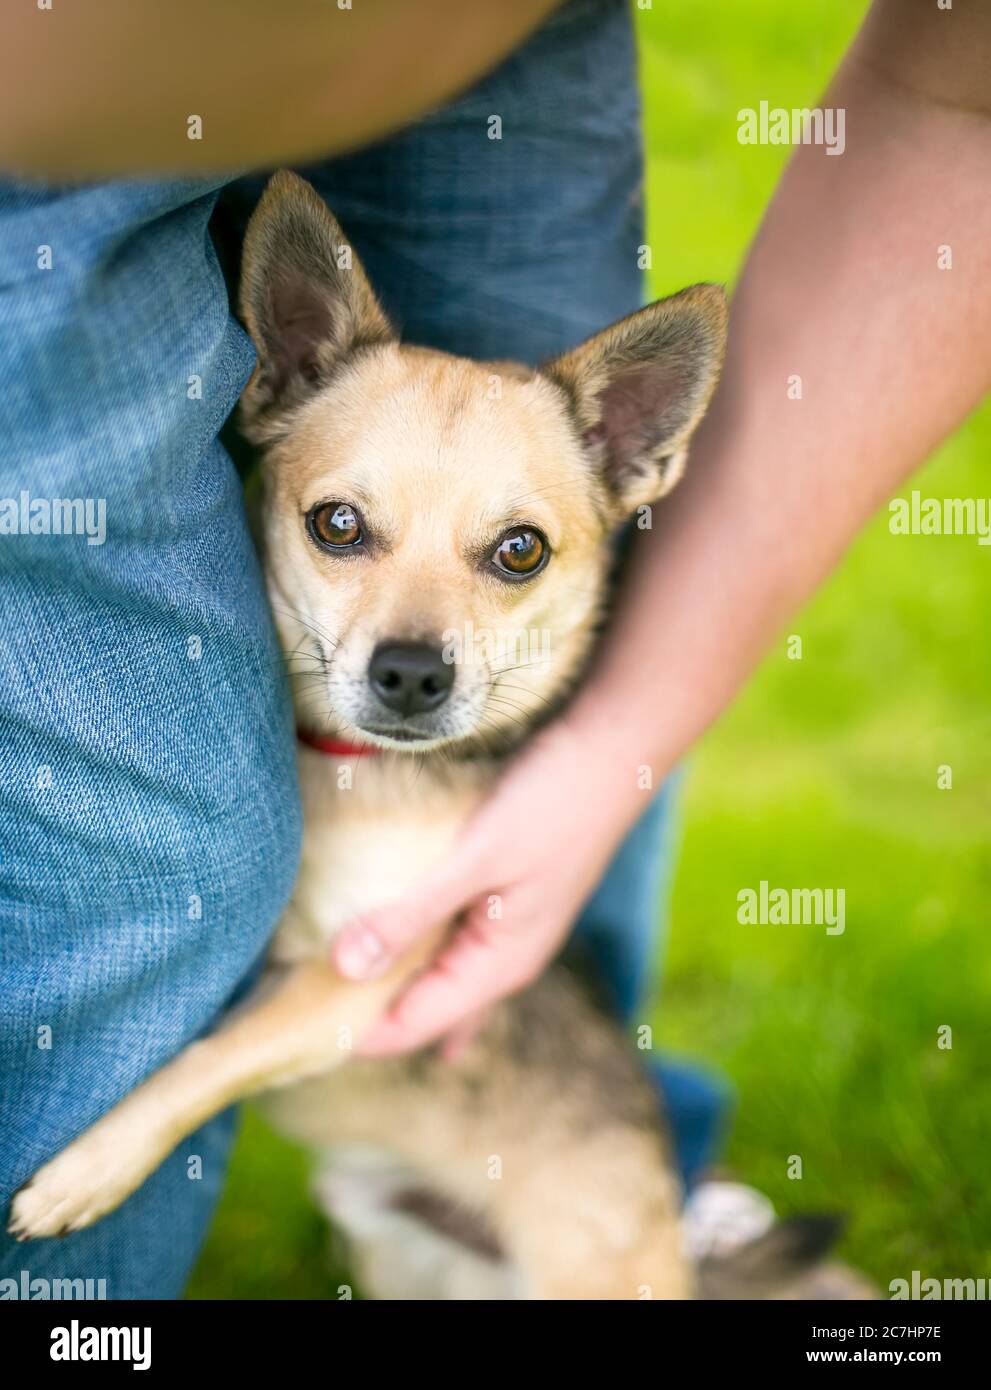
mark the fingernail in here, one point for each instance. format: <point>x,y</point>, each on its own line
<point>361,955</point>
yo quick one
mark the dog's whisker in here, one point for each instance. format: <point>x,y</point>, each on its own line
<point>493,698</point>
<point>299,663</point>
<point>533,694</point>
<point>309,623</point>
<point>512,719</point>
<point>303,673</point>
<point>520,666</point>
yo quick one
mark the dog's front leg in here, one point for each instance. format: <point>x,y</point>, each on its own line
<point>304,1024</point>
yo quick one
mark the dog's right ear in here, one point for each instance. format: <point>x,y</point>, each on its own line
<point>305,298</point>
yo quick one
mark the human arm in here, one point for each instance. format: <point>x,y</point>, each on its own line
<point>100,90</point>
<point>841,287</point>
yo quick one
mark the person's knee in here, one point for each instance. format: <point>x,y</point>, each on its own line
<point>112,974</point>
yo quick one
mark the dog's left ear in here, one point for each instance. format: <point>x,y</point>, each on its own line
<point>305,298</point>
<point>640,387</point>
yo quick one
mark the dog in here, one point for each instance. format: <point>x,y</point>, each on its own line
<point>407,495</point>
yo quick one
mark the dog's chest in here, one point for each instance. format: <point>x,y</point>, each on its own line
<point>368,837</point>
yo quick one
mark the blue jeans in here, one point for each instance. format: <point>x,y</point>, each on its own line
<point>150,820</point>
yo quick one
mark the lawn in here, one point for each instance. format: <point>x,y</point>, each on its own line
<point>823,773</point>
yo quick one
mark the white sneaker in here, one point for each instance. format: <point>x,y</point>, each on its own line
<point>720,1217</point>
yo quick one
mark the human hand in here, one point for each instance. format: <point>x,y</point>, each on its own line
<point>521,872</point>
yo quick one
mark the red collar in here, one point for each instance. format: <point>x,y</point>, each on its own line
<point>339,747</point>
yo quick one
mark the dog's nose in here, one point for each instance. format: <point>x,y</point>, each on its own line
<point>410,677</point>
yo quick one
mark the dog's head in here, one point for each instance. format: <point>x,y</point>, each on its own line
<point>436,530</point>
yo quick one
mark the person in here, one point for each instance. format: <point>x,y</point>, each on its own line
<point>151,823</point>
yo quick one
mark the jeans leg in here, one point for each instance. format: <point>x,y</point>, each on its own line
<point>618,933</point>
<point>147,768</point>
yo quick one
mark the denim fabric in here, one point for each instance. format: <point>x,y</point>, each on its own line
<point>149,814</point>
<point>618,935</point>
<point>513,247</point>
<point>150,818</point>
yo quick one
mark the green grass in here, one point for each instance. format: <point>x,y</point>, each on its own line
<point>268,1240</point>
<point>823,773</point>
<point>825,770</point>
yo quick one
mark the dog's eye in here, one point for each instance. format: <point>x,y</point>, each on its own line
<point>335,524</point>
<point>521,551</point>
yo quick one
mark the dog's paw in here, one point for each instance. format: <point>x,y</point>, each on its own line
<point>78,1186</point>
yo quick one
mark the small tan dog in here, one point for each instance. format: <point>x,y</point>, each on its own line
<point>408,496</point>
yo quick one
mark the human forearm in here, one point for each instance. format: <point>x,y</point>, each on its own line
<point>843,290</point>
<point>109,89</point>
